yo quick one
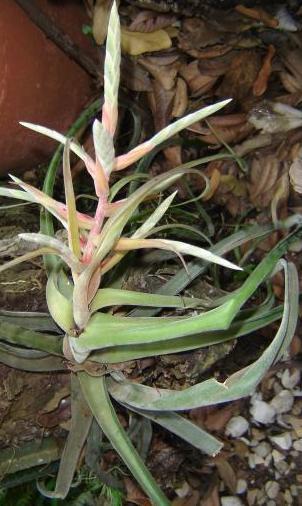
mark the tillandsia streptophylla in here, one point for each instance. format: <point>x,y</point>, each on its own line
<point>94,244</point>
<point>92,335</point>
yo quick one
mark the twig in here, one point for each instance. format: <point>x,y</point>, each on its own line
<point>58,37</point>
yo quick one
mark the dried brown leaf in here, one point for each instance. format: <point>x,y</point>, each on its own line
<point>258,14</point>
<point>189,500</point>
<point>264,175</point>
<point>134,494</point>
<point>161,103</point>
<point>226,473</point>
<point>280,196</point>
<point>295,173</point>
<point>161,70</point>
<point>100,20</point>
<point>197,82</point>
<point>239,79</point>
<point>149,21</point>
<point>134,77</point>
<point>181,99</point>
<point>212,498</point>
<point>136,43</point>
<point>261,83</point>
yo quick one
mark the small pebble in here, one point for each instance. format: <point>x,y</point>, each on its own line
<point>272,489</point>
<point>284,441</point>
<point>231,500</point>
<point>254,460</point>
<point>294,490</point>
<point>251,496</point>
<point>283,401</point>
<point>290,379</point>
<point>288,497</point>
<point>241,486</point>
<point>282,467</point>
<point>298,445</point>
<point>262,412</point>
<point>271,503</point>
<point>237,426</point>
<point>263,449</point>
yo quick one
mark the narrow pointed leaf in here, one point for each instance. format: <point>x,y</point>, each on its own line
<point>238,385</point>
<point>125,244</point>
<point>180,345</point>
<point>178,425</point>
<point>60,307</point>
<point>114,297</point>
<point>72,222</point>
<point>95,393</point>
<point>104,149</point>
<point>81,419</point>
<point>112,71</point>
<point>75,148</point>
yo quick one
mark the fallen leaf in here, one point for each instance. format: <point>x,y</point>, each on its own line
<point>101,14</point>
<point>212,498</point>
<point>134,494</point>
<point>214,183</point>
<point>280,196</point>
<point>133,76</point>
<point>161,103</point>
<point>258,14</point>
<point>295,173</point>
<point>190,500</point>
<point>180,103</point>
<point>198,82</point>
<point>264,175</point>
<point>196,34</point>
<point>240,77</point>
<point>260,85</point>
<point>160,68</point>
<point>226,473</point>
<point>136,43</point>
<point>150,21</point>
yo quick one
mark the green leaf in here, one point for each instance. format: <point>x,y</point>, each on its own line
<point>178,425</point>
<point>96,394</point>
<point>238,385</point>
<point>72,222</point>
<point>114,297</point>
<point>237,329</point>
<point>59,306</point>
<point>81,419</point>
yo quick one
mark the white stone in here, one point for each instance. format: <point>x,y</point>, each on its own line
<point>241,486</point>
<point>263,449</point>
<point>298,445</point>
<point>284,441</point>
<point>254,460</point>
<point>231,500</point>
<point>290,379</point>
<point>282,467</point>
<point>271,503</point>
<point>236,426</point>
<point>294,490</point>
<point>283,401</point>
<point>277,456</point>
<point>288,497</point>
<point>272,489</point>
<point>262,412</point>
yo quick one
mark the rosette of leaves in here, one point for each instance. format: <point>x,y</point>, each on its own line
<point>94,341</point>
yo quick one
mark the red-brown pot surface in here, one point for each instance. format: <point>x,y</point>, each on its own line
<point>38,82</point>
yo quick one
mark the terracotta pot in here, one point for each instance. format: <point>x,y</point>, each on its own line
<point>38,82</point>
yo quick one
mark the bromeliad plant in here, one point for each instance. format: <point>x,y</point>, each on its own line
<point>96,343</point>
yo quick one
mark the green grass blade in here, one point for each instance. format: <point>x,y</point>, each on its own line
<point>96,394</point>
